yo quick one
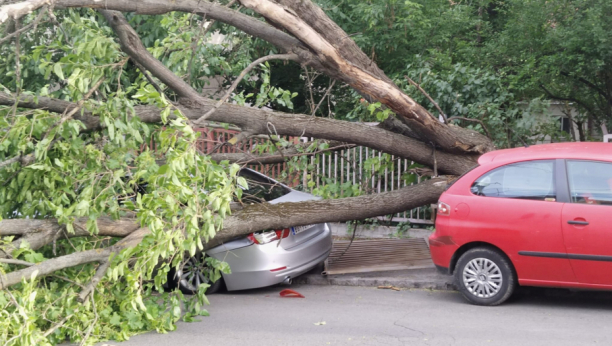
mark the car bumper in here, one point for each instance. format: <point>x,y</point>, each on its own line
<point>442,249</point>
<point>260,265</point>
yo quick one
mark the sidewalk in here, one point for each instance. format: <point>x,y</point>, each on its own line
<point>428,278</point>
<point>423,278</point>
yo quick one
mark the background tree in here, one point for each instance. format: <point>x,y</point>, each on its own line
<point>558,50</point>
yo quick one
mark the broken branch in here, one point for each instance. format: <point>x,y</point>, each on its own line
<point>100,272</point>
<point>52,265</point>
<point>15,261</point>
<point>20,9</point>
<point>428,97</point>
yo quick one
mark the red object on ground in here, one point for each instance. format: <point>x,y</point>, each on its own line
<point>290,294</point>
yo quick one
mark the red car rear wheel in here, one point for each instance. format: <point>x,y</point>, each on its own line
<point>485,276</point>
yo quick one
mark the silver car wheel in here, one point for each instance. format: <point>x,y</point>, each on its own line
<point>193,273</point>
<point>482,277</point>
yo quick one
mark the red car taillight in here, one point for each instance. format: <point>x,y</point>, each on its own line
<point>443,209</point>
<point>269,236</point>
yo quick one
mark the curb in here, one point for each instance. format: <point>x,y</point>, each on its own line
<point>417,278</point>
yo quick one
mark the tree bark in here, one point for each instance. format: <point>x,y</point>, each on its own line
<point>278,216</point>
<point>39,233</point>
<point>20,9</point>
<point>380,88</point>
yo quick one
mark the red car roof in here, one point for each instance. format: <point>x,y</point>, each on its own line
<point>571,150</point>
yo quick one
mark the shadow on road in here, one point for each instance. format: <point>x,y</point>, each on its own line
<point>559,297</point>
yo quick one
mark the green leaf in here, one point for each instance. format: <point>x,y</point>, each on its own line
<point>162,169</point>
<point>243,183</point>
<point>115,320</point>
<point>57,68</point>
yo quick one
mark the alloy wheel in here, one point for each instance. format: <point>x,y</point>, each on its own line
<point>194,273</point>
<point>482,278</point>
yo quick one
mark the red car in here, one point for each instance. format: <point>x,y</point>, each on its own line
<point>534,216</point>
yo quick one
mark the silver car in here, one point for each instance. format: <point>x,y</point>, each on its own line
<point>262,258</point>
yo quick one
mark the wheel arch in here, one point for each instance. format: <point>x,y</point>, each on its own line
<point>468,246</point>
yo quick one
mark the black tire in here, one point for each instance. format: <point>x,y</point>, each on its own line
<point>191,286</point>
<point>493,284</point>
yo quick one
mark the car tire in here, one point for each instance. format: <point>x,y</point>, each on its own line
<point>485,276</point>
<point>190,284</point>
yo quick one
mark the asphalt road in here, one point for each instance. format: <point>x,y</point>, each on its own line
<point>370,316</point>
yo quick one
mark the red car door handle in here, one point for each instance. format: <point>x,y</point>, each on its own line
<point>581,223</point>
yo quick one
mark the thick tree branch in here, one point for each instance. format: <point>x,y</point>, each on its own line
<point>107,226</point>
<point>52,265</point>
<point>591,85</point>
<point>449,139</point>
<point>241,21</point>
<point>39,233</point>
<point>256,121</point>
<point>265,216</point>
<point>254,218</point>
<point>92,123</point>
<point>131,44</point>
<point>316,18</point>
<point>20,9</point>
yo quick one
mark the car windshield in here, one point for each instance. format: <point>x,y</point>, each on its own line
<point>260,188</point>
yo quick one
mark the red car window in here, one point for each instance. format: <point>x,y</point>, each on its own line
<point>590,182</point>
<point>527,180</point>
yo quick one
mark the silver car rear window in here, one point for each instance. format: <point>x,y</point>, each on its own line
<point>261,189</point>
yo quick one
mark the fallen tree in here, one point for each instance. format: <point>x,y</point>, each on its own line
<point>70,164</point>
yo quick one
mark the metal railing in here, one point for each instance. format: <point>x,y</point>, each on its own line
<point>351,165</point>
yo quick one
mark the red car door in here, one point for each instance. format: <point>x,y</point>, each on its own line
<point>587,227</point>
<point>515,207</point>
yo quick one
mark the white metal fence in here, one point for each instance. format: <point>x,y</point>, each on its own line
<point>350,165</point>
